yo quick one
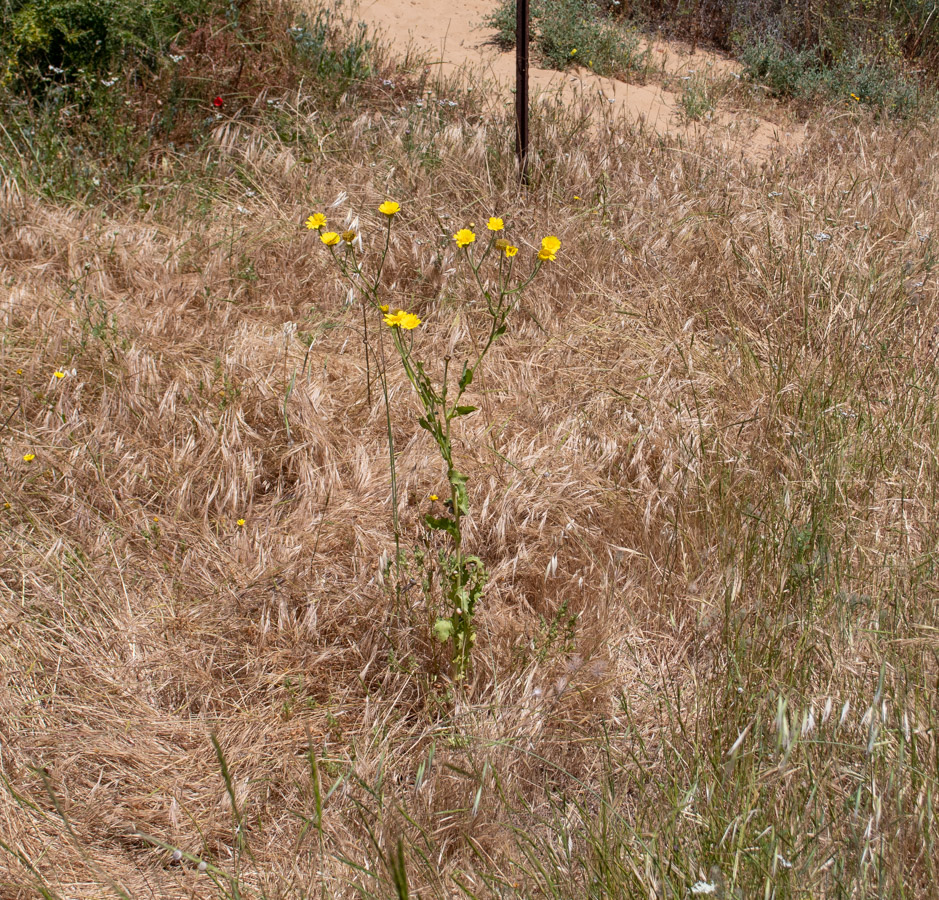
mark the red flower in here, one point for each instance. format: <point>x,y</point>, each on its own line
<point>218,103</point>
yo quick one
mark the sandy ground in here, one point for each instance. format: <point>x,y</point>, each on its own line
<point>454,36</point>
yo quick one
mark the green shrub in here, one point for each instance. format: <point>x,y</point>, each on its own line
<point>66,38</point>
<point>803,75</point>
<point>568,32</point>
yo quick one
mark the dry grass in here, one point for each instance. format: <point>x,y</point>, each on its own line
<point>722,428</point>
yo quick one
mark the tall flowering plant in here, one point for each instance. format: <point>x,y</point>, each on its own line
<point>462,576</point>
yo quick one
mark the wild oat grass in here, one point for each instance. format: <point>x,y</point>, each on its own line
<point>703,478</point>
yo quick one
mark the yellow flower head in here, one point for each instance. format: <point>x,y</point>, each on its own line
<point>510,251</point>
<point>19,371</point>
<point>241,523</point>
<point>329,238</point>
<point>29,457</point>
<point>549,247</point>
<point>402,319</point>
<point>317,220</point>
<point>384,307</point>
<point>434,497</point>
<point>574,52</point>
<point>59,374</point>
<point>495,224</point>
<point>348,236</point>
<point>501,244</point>
<point>464,237</point>
<point>389,208</point>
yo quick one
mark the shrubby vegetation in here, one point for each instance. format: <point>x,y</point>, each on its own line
<point>93,92</point>
<point>878,55</point>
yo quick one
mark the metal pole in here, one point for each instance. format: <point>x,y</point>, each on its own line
<point>521,87</point>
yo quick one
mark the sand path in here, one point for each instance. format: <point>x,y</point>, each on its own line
<point>453,35</point>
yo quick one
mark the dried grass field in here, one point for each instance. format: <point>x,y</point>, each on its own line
<point>702,475</point>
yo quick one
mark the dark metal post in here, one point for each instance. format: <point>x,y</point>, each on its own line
<point>521,88</point>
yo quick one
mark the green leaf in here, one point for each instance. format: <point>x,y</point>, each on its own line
<point>499,331</point>
<point>466,378</point>
<point>462,411</point>
<point>442,523</point>
<point>443,630</point>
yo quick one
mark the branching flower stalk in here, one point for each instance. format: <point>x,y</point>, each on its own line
<point>462,577</point>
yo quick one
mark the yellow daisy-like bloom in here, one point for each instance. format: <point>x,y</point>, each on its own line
<point>574,52</point>
<point>241,523</point>
<point>402,319</point>
<point>389,208</point>
<point>58,374</point>
<point>510,251</point>
<point>329,238</point>
<point>434,497</point>
<point>495,224</point>
<point>29,457</point>
<point>464,237</point>
<point>19,371</point>
<point>348,236</point>
<point>549,247</point>
<point>317,220</point>
<point>384,307</point>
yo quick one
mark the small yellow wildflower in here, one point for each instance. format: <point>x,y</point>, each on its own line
<point>348,236</point>
<point>58,374</point>
<point>19,371</point>
<point>384,307</point>
<point>329,238</point>
<point>495,224</point>
<point>389,208</point>
<point>29,457</point>
<point>434,497</point>
<point>241,523</point>
<point>574,52</point>
<point>576,197</point>
<point>156,518</point>
<point>317,220</point>
<point>464,237</point>
<point>549,247</point>
<point>501,244</point>
<point>510,251</point>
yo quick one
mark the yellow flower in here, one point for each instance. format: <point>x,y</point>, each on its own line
<point>464,237</point>
<point>574,52</point>
<point>434,497</point>
<point>317,220</point>
<point>402,319</point>
<point>495,224</point>
<point>384,307</point>
<point>19,371</point>
<point>549,247</point>
<point>348,236</point>
<point>59,374</point>
<point>389,208</point>
<point>241,523</point>
<point>510,251</point>
<point>329,238</point>
<point>29,457</point>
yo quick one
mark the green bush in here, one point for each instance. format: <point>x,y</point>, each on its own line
<point>803,75</point>
<point>568,32</point>
<point>44,41</point>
